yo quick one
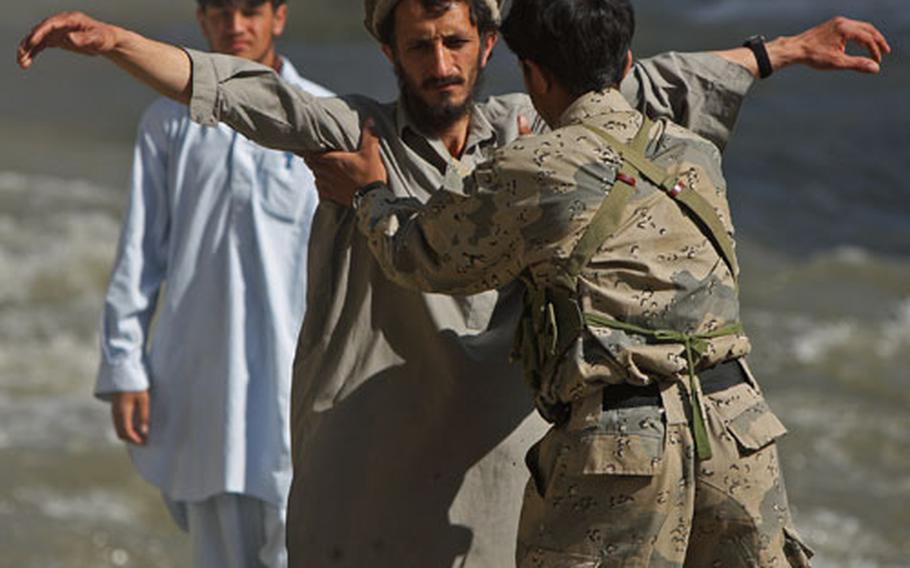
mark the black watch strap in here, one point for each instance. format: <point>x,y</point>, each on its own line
<point>358,195</point>
<point>757,44</point>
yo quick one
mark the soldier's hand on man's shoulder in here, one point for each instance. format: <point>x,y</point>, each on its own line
<point>130,413</point>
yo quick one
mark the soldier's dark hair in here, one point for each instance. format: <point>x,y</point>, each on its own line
<point>244,3</point>
<point>583,43</point>
<point>481,16</point>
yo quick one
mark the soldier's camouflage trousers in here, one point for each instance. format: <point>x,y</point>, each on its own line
<point>622,487</point>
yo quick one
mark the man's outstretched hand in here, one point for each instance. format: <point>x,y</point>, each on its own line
<point>821,47</point>
<point>72,31</point>
<point>825,46</point>
<point>340,174</point>
<point>163,67</point>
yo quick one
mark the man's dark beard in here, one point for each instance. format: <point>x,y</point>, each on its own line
<point>432,120</point>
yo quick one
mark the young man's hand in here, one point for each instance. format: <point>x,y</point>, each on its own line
<point>130,413</point>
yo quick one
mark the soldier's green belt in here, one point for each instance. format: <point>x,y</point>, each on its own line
<point>694,344</point>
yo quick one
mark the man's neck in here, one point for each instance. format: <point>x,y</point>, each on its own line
<point>455,137</point>
<point>277,64</point>
<point>272,60</point>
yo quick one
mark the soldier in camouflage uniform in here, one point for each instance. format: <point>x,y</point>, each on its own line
<point>662,450</point>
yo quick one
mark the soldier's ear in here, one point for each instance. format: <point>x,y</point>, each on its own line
<point>629,61</point>
<point>537,79</point>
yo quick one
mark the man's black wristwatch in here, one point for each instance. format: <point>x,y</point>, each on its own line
<point>757,44</point>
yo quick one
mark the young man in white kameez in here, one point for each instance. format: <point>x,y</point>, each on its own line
<point>224,224</point>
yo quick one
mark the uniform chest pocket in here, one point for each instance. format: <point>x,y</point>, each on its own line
<point>286,186</point>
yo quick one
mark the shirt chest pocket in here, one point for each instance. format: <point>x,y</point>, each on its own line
<point>285,186</point>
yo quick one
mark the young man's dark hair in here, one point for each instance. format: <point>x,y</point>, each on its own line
<point>245,3</point>
<point>481,16</point>
<point>583,43</point>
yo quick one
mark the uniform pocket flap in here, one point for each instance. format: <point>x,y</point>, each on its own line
<point>559,559</point>
<point>612,454</point>
<point>798,554</point>
<point>756,427</point>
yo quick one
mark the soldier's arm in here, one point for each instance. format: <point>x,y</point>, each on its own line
<point>476,234</point>
<point>452,245</point>
<point>249,97</point>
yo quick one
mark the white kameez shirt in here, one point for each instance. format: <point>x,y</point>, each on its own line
<point>224,223</point>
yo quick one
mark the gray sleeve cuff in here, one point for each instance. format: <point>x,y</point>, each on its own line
<point>731,76</point>
<point>701,91</point>
<point>204,81</point>
<point>726,86</point>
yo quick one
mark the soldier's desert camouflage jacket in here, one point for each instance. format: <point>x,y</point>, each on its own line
<point>523,212</point>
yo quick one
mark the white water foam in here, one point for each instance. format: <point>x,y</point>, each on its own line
<point>886,339</point>
<point>834,426</point>
<point>72,423</point>
<point>843,541</point>
<point>814,344</point>
<point>91,505</point>
<point>58,236</point>
<point>895,333</point>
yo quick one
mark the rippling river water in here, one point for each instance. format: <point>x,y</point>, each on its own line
<point>819,190</point>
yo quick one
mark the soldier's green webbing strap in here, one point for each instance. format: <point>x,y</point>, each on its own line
<point>608,217</point>
<point>695,343</point>
<point>699,207</point>
<point>604,223</point>
<point>705,213</point>
<point>642,138</point>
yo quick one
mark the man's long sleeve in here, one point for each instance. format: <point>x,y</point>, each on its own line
<point>699,91</point>
<point>139,269</point>
<point>253,100</point>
